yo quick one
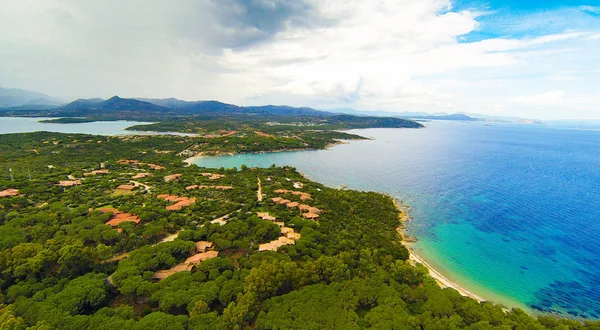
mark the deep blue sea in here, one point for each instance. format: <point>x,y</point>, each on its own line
<point>510,212</point>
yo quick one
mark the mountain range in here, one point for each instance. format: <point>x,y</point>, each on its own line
<point>12,97</point>
<point>26,103</point>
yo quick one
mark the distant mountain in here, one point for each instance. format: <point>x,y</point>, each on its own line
<point>172,103</point>
<point>83,104</point>
<point>215,107</point>
<point>11,97</point>
<point>115,103</point>
<point>44,101</point>
<point>282,110</point>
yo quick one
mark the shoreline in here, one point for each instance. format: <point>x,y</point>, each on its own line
<point>440,279</point>
<point>407,241</point>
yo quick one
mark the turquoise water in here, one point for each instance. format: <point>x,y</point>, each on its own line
<point>510,212</point>
<point>24,125</point>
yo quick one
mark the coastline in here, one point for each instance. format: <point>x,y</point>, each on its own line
<point>414,257</point>
<point>441,280</point>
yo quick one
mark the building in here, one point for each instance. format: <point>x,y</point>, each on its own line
<point>173,177</point>
<point>9,192</point>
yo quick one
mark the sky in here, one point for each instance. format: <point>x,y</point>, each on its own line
<point>531,59</point>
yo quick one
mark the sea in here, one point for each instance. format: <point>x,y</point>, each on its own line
<point>24,125</point>
<point>509,212</point>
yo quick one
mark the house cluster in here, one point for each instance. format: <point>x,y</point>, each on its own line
<point>308,212</point>
<point>208,187</point>
<point>303,196</point>
<point>205,251</point>
<point>142,175</point>
<point>9,193</point>
<point>135,162</point>
<point>289,236</point>
<point>119,217</point>
<point>212,176</point>
<point>125,188</point>
<point>180,202</point>
<point>69,183</point>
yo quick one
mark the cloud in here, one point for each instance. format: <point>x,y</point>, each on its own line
<point>396,55</point>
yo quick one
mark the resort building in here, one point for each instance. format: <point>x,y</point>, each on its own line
<point>9,192</point>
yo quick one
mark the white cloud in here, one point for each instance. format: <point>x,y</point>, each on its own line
<point>549,98</point>
<point>402,55</point>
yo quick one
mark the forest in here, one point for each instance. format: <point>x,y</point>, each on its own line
<point>118,232</point>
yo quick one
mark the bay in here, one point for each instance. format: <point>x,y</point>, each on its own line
<point>510,212</point>
<point>25,125</point>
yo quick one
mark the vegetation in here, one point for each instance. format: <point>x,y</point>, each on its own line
<point>68,120</point>
<point>62,267</point>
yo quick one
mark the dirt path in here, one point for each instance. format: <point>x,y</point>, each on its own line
<point>136,183</point>
<point>259,196</point>
<point>223,220</point>
<point>169,238</point>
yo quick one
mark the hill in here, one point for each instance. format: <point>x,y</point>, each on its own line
<point>12,97</point>
<point>215,107</point>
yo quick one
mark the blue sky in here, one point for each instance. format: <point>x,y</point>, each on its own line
<point>509,18</point>
<point>533,59</point>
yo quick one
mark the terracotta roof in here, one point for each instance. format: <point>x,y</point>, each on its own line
<point>286,230</point>
<point>156,167</point>
<point>125,187</point>
<point>96,172</point>
<point>122,217</point>
<point>310,215</point>
<point>216,176</point>
<point>315,210</point>
<point>305,197</point>
<point>304,207</point>
<point>181,202</point>
<point>292,204</point>
<point>284,201</point>
<point>266,216</point>
<point>69,183</point>
<point>197,258</point>
<point>173,177</point>
<point>141,175</point>
<point>277,199</point>
<point>9,192</point>
<point>293,236</point>
<point>268,247</point>
<point>202,246</point>
<point>191,187</point>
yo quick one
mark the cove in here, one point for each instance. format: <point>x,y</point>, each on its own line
<point>509,212</point>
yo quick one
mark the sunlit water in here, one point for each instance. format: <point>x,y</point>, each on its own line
<point>510,212</point>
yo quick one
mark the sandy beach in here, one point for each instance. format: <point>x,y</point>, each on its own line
<point>414,258</point>
<point>439,278</point>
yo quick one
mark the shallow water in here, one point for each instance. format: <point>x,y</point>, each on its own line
<point>510,212</point>
<point>25,125</point>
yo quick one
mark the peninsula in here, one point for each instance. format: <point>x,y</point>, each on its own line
<point>141,240</point>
